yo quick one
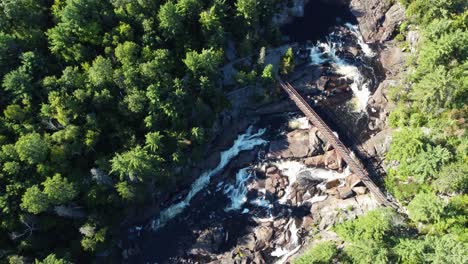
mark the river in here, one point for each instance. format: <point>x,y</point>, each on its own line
<point>230,203</point>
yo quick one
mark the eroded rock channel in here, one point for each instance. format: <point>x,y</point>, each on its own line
<point>279,180</point>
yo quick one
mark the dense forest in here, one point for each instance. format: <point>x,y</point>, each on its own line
<point>101,102</point>
<point>428,157</point>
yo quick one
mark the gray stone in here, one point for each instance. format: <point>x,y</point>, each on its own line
<point>345,192</point>
<point>360,190</point>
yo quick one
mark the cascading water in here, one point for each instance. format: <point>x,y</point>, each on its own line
<point>324,52</point>
<point>246,141</point>
<point>237,201</point>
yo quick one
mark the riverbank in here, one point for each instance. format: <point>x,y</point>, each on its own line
<point>334,95</point>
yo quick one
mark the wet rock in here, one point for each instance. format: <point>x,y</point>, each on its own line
<point>280,193</point>
<point>352,180</point>
<point>247,241</point>
<point>271,170</point>
<point>332,160</point>
<point>263,236</point>
<point>270,186</point>
<point>322,82</point>
<point>258,258</point>
<point>360,190</point>
<point>332,183</point>
<point>279,223</point>
<point>345,192</point>
<point>208,242</point>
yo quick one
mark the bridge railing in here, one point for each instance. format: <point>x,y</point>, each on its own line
<point>342,150</point>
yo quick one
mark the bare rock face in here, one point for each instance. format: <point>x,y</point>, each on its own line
<point>208,242</point>
<point>316,161</point>
<point>392,59</point>
<point>352,180</point>
<point>377,19</point>
<point>297,144</point>
<point>345,192</point>
<point>360,190</point>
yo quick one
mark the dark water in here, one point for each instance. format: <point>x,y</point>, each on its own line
<point>318,18</point>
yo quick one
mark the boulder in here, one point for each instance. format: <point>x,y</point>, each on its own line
<point>332,160</point>
<point>263,235</point>
<point>208,242</point>
<point>392,59</point>
<point>270,186</point>
<point>345,192</point>
<point>299,143</point>
<point>352,180</point>
<point>322,82</point>
<point>315,144</point>
<point>307,222</point>
<point>271,170</point>
<point>360,190</point>
<point>258,258</point>
<point>332,183</point>
<point>317,161</point>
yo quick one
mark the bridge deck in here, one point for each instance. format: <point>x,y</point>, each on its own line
<point>355,166</point>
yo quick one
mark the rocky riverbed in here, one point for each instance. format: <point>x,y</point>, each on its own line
<point>270,181</point>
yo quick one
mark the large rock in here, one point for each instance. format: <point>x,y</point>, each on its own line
<point>352,180</point>
<point>316,161</point>
<point>315,144</point>
<point>345,192</point>
<point>295,145</point>
<point>377,19</point>
<point>392,59</point>
<point>208,242</point>
<point>263,236</point>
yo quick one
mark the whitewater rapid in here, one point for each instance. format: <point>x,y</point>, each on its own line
<point>327,52</point>
<point>247,141</point>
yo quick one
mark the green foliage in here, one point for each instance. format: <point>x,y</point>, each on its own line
<point>428,152</point>
<point>246,78</point>
<point>452,178</point>
<point>59,190</point>
<point>170,20</point>
<point>268,75</point>
<point>426,207</point>
<point>52,259</point>
<point>34,200</point>
<point>100,102</point>
<point>135,164</point>
<point>205,63</point>
<point>287,62</point>
<point>31,148</point>
<point>374,226</point>
<point>322,253</point>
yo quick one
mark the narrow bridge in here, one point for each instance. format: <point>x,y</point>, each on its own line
<point>354,164</point>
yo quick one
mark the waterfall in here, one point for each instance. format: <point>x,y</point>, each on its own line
<point>247,141</point>
<point>238,193</point>
<point>365,48</point>
<point>326,52</point>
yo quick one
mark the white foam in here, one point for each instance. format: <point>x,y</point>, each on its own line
<point>238,193</point>
<point>299,123</point>
<point>364,46</point>
<point>246,141</point>
<point>359,85</point>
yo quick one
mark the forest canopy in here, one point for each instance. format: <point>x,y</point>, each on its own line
<point>98,100</point>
